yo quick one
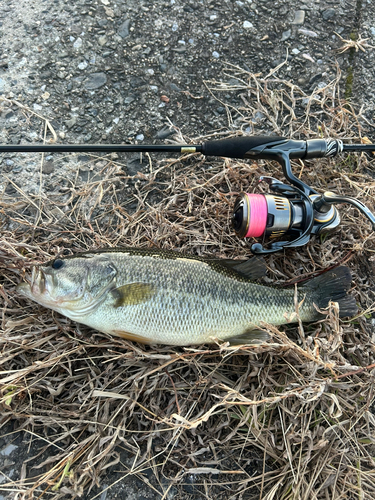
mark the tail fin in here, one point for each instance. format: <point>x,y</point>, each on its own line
<point>333,286</point>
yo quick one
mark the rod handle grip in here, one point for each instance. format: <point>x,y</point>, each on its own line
<point>238,147</point>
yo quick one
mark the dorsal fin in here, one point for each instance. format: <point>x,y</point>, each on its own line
<point>252,269</point>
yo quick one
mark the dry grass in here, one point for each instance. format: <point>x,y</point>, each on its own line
<point>292,419</point>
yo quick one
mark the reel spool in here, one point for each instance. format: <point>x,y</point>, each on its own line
<point>257,215</point>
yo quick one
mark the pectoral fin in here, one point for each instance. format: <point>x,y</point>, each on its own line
<point>132,294</point>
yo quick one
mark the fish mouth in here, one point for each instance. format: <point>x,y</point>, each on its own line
<point>36,287</point>
<point>38,283</point>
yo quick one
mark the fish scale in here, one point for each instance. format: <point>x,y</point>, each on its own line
<point>167,297</point>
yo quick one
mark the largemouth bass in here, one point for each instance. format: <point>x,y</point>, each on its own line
<point>155,296</point>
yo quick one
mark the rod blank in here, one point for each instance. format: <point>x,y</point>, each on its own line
<point>98,148</point>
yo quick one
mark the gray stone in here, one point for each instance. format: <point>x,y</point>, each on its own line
<point>5,452</point>
<point>70,123</point>
<point>286,35</point>
<point>329,14</point>
<point>78,43</point>
<point>174,87</point>
<point>124,29</point>
<point>95,81</point>
<point>164,133</point>
<point>299,17</point>
<point>308,33</point>
<point>247,25</point>
<point>48,167</point>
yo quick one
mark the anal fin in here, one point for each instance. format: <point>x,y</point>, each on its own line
<point>132,336</point>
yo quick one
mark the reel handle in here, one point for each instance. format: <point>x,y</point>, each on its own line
<point>323,203</point>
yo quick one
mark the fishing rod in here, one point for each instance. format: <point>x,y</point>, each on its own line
<point>235,147</point>
<point>296,210</point>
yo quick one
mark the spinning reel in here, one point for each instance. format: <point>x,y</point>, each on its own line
<point>296,210</point>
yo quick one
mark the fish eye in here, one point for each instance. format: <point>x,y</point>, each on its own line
<point>57,264</point>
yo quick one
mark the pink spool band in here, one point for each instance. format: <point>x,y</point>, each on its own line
<point>257,215</point>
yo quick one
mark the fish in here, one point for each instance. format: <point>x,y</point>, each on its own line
<point>166,297</point>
